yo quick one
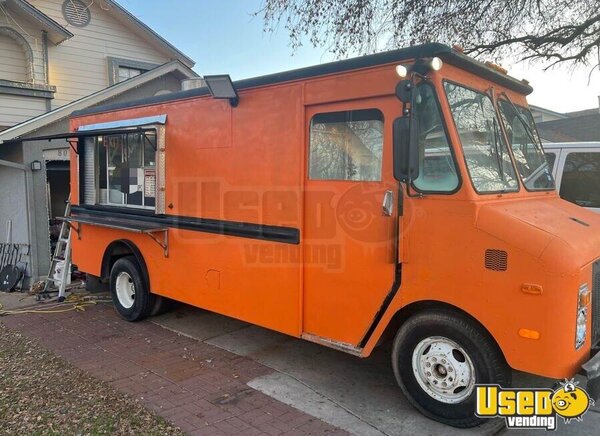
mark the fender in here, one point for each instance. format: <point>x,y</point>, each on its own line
<point>123,247</point>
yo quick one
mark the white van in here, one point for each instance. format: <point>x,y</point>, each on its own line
<point>576,169</point>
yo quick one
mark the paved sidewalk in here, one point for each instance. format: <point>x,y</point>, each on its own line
<point>198,387</point>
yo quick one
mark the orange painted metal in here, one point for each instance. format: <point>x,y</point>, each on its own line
<point>249,164</point>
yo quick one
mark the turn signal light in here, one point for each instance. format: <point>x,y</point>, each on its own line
<point>529,288</point>
<point>529,334</point>
<point>585,298</point>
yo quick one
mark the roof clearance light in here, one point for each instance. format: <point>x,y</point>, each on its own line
<point>401,71</point>
<point>436,64</point>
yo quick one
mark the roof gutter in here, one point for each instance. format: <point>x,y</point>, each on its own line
<point>6,163</point>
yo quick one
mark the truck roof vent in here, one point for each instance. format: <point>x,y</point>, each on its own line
<point>496,260</point>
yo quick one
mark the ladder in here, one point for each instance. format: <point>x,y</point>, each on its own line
<point>57,278</point>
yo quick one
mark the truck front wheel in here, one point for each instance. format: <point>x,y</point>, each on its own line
<point>438,358</point>
<point>129,291</point>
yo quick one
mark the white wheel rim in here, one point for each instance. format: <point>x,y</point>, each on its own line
<point>443,369</point>
<point>125,289</point>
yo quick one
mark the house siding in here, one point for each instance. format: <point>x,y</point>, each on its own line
<point>35,41</point>
<point>15,109</point>
<point>14,64</point>
<point>79,66</point>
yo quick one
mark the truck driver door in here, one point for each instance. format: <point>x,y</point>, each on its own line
<point>351,217</point>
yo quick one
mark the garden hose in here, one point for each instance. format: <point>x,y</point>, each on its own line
<point>72,302</point>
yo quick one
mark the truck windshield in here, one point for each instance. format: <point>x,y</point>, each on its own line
<point>486,153</point>
<point>526,147</point>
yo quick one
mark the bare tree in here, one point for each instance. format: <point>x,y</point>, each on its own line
<point>551,31</point>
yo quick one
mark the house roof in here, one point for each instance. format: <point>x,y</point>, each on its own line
<point>33,124</point>
<point>572,129</point>
<point>547,111</point>
<point>583,112</point>
<point>148,32</point>
<point>56,32</point>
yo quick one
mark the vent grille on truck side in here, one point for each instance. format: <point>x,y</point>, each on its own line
<point>596,302</point>
<point>496,260</point>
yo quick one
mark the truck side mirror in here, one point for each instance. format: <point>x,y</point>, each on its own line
<point>401,149</point>
<point>405,138</point>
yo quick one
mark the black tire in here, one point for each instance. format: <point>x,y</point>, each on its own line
<point>161,305</point>
<point>487,361</point>
<point>143,301</point>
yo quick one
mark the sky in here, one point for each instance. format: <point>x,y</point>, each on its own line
<point>224,37</point>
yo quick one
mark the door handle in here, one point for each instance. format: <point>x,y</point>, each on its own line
<point>388,203</point>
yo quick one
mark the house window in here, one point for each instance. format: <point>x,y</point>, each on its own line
<point>127,169</point>
<point>346,145</point>
<point>127,73</point>
<point>120,70</point>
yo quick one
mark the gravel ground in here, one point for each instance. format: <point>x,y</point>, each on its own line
<point>41,394</point>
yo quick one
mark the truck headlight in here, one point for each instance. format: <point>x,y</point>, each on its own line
<point>583,299</point>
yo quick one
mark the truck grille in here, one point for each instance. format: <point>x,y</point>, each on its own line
<point>596,302</point>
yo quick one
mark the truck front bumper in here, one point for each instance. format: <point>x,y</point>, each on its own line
<point>591,370</point>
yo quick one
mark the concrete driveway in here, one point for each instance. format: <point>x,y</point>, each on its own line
<point>357,395</point>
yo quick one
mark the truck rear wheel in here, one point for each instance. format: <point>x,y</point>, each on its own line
<point>129,291</point>
<point>438,357</point>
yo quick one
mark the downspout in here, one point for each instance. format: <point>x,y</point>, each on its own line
<point>46,66</point>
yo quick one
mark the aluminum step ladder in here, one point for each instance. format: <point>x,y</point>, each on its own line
<point>60,267</point>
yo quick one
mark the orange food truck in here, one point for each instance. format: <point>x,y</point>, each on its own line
<point>403,194</point>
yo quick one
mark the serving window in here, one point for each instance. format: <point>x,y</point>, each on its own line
<point>123,169</point>
<point>127,169</point>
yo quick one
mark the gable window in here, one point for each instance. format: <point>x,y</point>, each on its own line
<point>346,145</point>
<point>120,70</point>
<point>127,73</point>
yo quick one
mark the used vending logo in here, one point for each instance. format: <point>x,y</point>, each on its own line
<point>533,408</point>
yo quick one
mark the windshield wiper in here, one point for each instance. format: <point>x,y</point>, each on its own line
<point>520,116</point>
<point>534,140</point>
<point>497,149</point>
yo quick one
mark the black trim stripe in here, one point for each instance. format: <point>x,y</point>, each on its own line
<point>384,307</point>
<point>446,53</point>
<point>287,235</point>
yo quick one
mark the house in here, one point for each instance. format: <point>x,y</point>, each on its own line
<point>58,56</point>
<point>579,126</point>
<point>541,114</point>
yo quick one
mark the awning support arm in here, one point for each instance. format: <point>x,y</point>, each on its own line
<point>72,143</point>
<point>164,242</point>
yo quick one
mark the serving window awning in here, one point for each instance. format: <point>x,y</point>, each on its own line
<point>85,134</point>
<point>72,137</point>
<point>134,125</point>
